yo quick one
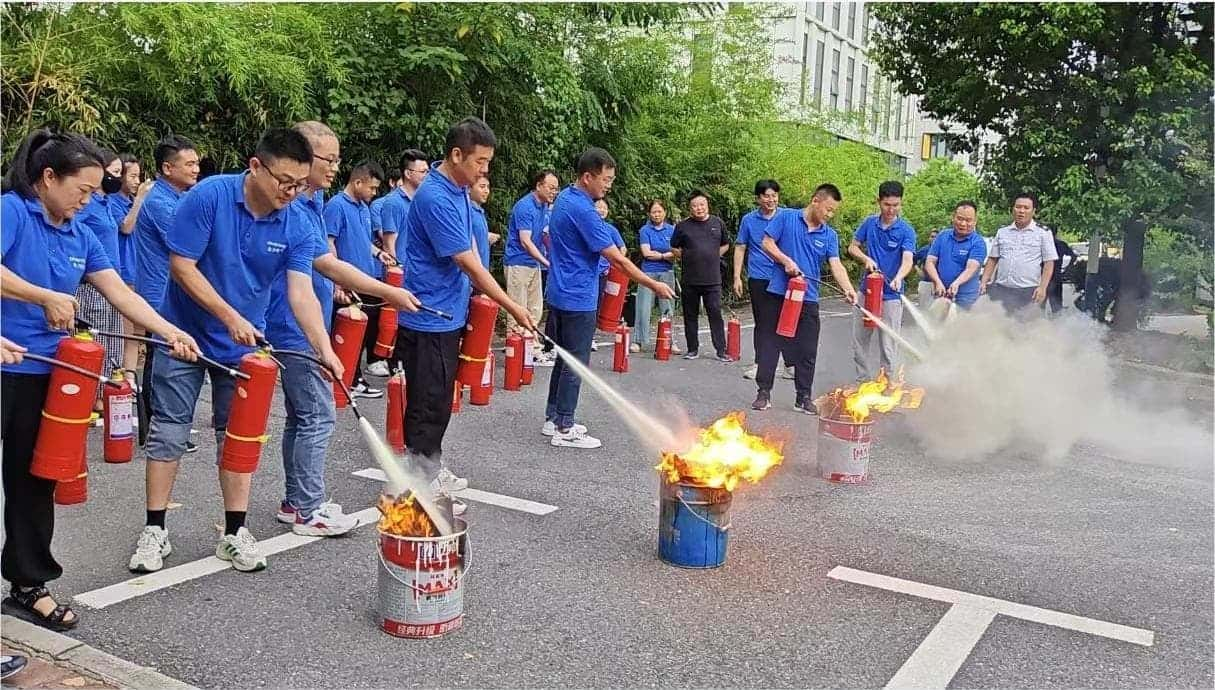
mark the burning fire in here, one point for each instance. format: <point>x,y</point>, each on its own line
<point>723,455</point>
<point>878,395</point>
<point>403,517</point>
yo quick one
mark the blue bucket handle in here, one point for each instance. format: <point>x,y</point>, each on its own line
<point>719,528</point>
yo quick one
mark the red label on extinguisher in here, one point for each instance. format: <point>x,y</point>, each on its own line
<point>121,419</point>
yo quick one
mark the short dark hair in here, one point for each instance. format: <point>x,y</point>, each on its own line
<point>594,160</point>
<point>539,177</point>
<point>367,168</point>
<point>1033,198</point>
<point>764,185</point>
<point>281,143</point>
<point>696,193</point>
<point>128,159</point>
<point>828,190</point>
<point>412,156</point>
<point>966,202</point>
<point>650,206</point>
<point>468,134</point>
<point>394,176</point>
<point>64,154</point>
<point>168,148</point>
<point>890,188</point>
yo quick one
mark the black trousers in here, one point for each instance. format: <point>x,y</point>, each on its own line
<point>801,350</point>
<point>145,394</point>
<point>693,295</point>
<point>430,361</point>
<point>29,506</point>
<point>765,307</point>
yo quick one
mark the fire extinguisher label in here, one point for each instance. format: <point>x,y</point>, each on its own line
<point>121,420</point>
<point>797,295</point>
<point>69,389</point>
<point>612,288</point>
<point>510,351</point>
<point>529,357</point>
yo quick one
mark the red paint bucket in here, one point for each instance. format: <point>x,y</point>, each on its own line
<point>843,450</point>
<point>421,583</point>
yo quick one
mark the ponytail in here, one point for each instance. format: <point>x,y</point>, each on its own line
<point>64,154</point>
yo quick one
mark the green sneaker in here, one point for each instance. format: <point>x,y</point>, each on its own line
<point>240,549</point>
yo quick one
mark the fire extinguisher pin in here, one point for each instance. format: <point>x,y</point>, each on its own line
<point>71,367</point>
<point>153,341</point>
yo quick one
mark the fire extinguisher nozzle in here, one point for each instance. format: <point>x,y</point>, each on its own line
<point>436,312</point>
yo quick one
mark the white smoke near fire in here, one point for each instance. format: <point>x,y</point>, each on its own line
<point>1038,388</point>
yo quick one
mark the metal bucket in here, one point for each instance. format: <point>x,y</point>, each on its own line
<point>421,583</point>
<point>693,525</point>
<point>843,450</point>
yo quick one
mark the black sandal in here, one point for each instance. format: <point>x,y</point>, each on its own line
<point>20,603</point>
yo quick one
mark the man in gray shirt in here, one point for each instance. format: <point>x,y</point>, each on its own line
<point>1021,260</point>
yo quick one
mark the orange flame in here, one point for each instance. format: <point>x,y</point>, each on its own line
<point>722,455</point>
<point>403,517</point>
<point>878,395</point>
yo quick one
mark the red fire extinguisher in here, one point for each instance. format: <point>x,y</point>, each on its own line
<point>512,379</point>
<point>611,302</point>
<point>662,341</point>
<point>620,356</point>
<point>386,332</point>
<point>118,411</point>
<point>75,490</point>
<point>529,359</point>
<point>394,276</point>
<point>734,339</point>
<point>791,310</point>
<point>875,284</point>
<point>479,394</point>
<point>394,421</point>
<point>474,346</point>
<point>349,327</point>
<point>250,411</point>
<point>63,431</point>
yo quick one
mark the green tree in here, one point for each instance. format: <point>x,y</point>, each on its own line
<point>1088,100</point>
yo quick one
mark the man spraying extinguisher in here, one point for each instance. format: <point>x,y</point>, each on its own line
<point>799,240</point>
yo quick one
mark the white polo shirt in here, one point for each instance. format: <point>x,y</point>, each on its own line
<point>1021,252</point>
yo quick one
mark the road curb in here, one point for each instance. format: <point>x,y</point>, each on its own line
<point>1194,376</point>
<point>67,651</point>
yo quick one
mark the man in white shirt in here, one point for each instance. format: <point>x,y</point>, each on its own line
<point>1021,260</point>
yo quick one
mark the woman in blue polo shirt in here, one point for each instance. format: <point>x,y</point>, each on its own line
<point>46,252</point>
<point>658,262</point>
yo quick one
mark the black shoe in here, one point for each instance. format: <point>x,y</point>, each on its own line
<point>762,401</point>
<point>191,447</point>
<point>691,355</point>
<point>362,390</point>
<point>11,664</point>
<point>806,406</point>
<point>723,357</point>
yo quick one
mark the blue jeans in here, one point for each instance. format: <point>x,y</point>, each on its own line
<point>645,307</point>
<point>574,331</point>
<point>175,388</point>
<point>311,416</point>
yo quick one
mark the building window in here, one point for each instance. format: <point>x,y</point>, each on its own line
<point>805,54</point>
<point>888,101</point>
<point>848,82</point>
<point>934,146</point>
<point>865,28</point>
<point>835,16</point>
<point>864,99</point>
<point>852,21</point>
<point>820,10</point>
<point>910,119</point>
<point>877,103</point>
<point>818,74</point>
<point>898,118</point>
<point>835,79</point>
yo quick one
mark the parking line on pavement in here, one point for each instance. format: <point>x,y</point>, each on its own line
<point>500,500</point>
<point>938,658</point>
<point>153,582</point>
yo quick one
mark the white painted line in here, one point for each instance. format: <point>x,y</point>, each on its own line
<point>520,504</point>
<point>938,658</point>
<point>1034,614</point>
<point>152,582</point>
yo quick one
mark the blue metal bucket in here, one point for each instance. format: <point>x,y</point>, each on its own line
<point>693,525</point>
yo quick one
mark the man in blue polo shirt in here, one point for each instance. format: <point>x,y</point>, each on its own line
<point>799,240</point>
<point>524,255</point>
<point>393,214</point>
<point>765,307</point>
<point>955,257</point>
<point>479,194</point>
<point>889,249</point>
<point>579,238</point>
<point>441,268</point>
<point>232,237</point>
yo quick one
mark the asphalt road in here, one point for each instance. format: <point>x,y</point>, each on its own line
<point>578,597</point>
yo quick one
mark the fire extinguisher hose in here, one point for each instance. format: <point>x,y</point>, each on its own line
<point>153,341</point>
<point>421,307</point>
<point>317,360</point>
<point>73,368</point>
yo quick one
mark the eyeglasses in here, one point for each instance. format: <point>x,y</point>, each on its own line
<point>422,171</point>
<point>287,185</point>
<point>334,162</point>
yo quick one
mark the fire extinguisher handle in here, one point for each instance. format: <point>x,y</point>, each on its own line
<point>71,367</point>
<point>431,310</point>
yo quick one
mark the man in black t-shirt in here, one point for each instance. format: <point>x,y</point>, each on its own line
<point>699,242</point>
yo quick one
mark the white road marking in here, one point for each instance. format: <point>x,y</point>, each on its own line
<point>152,582</point>
<point>520,504</point>
<point>940,655</point>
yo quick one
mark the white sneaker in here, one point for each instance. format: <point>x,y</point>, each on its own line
<point>575,439</point>
<point>787,372</point>
<point>362,390</point>
<point>544,359</point>
<point>241,550</point>
<point>447,483</point>
<point>150,551</point>
<point>550,429</point>
<point>379,368</point>
<point>286,513</point>
<point>327,521</point>
<point>751,371</point>
<point>594,346</point>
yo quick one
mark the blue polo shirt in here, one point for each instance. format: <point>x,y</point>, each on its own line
<point>348,222</point>
<point>55,258</point>
<point>760,266</point>
<point>659,240</point>
<point>119,206</point>
<point>96,217</point>
<point>617,240</point>
<point>808,248</point>
<point>577,234</point>
<point>241,256</point>
<point>438,226</point>
<point>952,254</point>
<point>528,214</point>
<point>282,330</point>
<point>377,229</point>
<point>151,251</point>
<point>886,246</point>
<point>394,211</point>
<point>480,232</point>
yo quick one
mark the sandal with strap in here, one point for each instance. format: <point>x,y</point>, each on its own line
<point>20,603</point>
